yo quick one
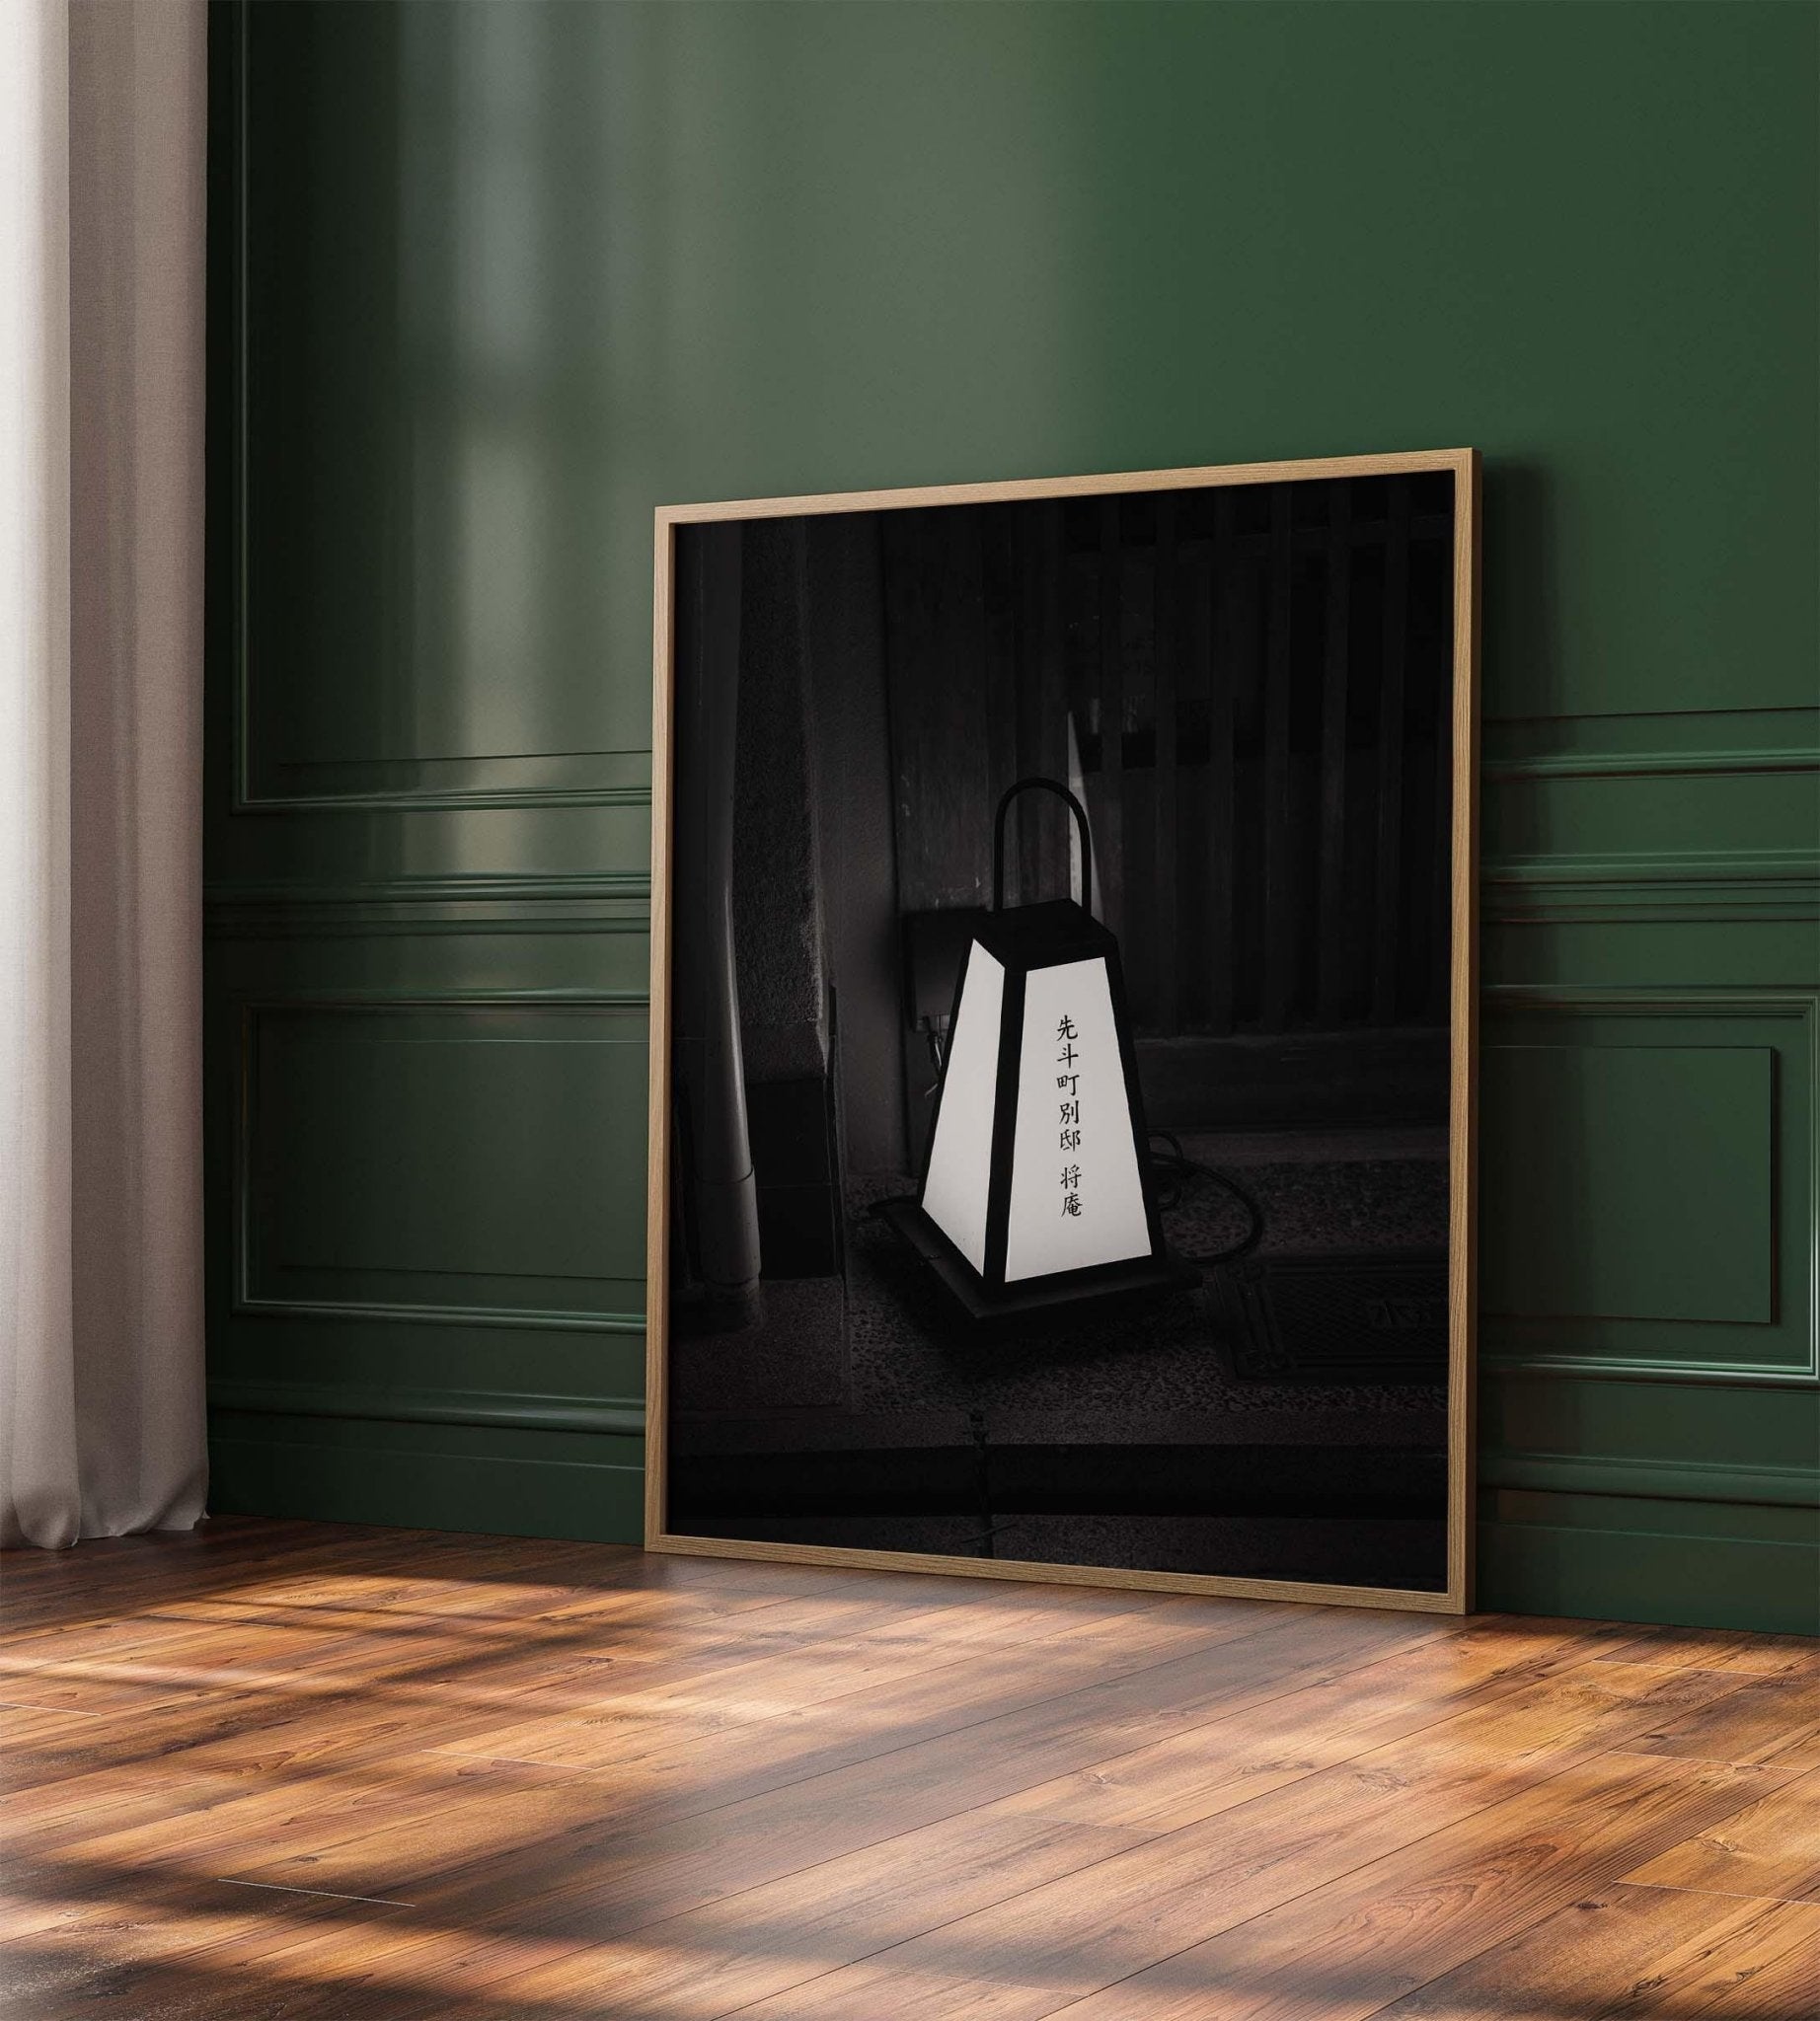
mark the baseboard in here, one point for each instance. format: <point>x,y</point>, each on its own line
<point>1687,1581</point>
<point>588,1487</point>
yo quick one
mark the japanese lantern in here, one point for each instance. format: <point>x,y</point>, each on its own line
<point>1035,1188</point>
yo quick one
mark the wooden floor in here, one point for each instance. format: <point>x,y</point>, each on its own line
<point>283,1770</point>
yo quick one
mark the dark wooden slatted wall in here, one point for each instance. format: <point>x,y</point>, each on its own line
<point>1258,682</point>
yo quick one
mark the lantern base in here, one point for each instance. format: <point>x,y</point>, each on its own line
<point>1110,1285</point>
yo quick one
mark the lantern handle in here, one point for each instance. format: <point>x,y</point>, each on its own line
<point>1052,785</point>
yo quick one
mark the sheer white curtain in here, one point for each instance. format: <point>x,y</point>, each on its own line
<point>102,124</point>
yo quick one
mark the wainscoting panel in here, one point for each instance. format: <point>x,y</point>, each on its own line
<point>444,1161</point>
<point>1650,1170</point>
<point>1667,1151</point>
<point>1649,1498</point>
<point>427,1130</point>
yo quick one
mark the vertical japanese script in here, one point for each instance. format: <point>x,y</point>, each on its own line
<point>1068,1110</point>
<point>1077,1198</point>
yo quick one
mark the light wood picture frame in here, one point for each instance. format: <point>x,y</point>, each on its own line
<point>1447,1587</point>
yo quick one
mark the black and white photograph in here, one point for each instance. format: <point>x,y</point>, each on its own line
<point>1064,1080</point>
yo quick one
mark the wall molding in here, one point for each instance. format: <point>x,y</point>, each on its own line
<point>1664,1001</point>
<point>408,994</point>
<point>245,1302</point>
<point>428,797</point>
<point>1655,885</point>
<point>1611,1369</point>
<point>1650,764</point>
<point>1660,886</point>
<point>422,1476</point>
<point>541,1320</point>
<point>606,902</point>
<point>1701,743</point>
<point>1570,1473</point>
<point>509,1410</point>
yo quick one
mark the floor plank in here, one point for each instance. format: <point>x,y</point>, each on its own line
<point>1718,1649</point>
<point>1773,1718</point>
<point>1177,1894</point>
<point>1343,1950</point>
<point>1635,1953</point>
<point>311,1773</point>
<point>1771,1849</point>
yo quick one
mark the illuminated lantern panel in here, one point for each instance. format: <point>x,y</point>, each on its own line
<point>1077,1194</point>
<point>1034,1193</point>
<point>958,1190</point>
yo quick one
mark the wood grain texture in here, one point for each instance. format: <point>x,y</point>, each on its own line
<point>1769,1850</point>
<point>325,1775</point>
<point>1351,1945</point>
<point>1203,477</point>
<point>1772,1719</point>
<point>1636,1953</point>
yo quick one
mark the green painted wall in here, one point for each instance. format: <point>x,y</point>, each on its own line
<point>491,281</point>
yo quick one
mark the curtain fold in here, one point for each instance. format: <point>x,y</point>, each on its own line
<point>101,611</point>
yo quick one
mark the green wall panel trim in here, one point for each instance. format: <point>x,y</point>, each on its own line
<point>1759,816</point>
<point>341,845</point>
<point>371,1476</point>
<point>1788,1488</point>
<point>1674,1427</point>
<point>1591,817</point>
<point>406,965</point>
<point>1690,1579</point>
<point>514,1410</point>
<point>1756,1522</point>
<point>586,778</point>
<point>1651,1164</point>
<point>322,1356</point>
<point>1651,742</point>
<point>1723,885</point>
<point>1512,1358</point>
<point>447,1158</point>
<point>431,1310</point>
<point>1676,744</point>
<point>443,888</point>
<point>616,902</point>
<point>1695,957</point>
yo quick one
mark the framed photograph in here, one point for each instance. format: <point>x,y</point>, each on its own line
<point>1063,983</point>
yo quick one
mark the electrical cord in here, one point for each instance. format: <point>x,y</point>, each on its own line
<point>1174,1160</point>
